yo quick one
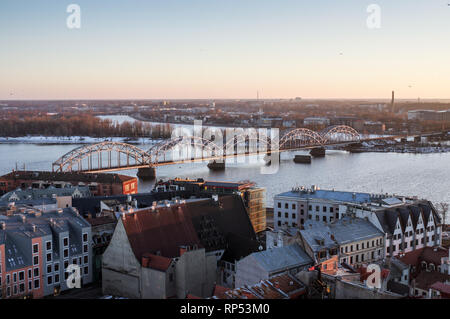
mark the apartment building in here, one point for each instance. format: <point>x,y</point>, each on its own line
<point>37,248</point>
<point>99,184</point>
<point>407,222</point>
<point>353,240</point>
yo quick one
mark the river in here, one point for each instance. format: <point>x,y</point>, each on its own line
<point>423,175</point>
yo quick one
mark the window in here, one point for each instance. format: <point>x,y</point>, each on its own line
<point>8,291</point>
<point>56,279</point>
<point>324,208</point>
<point>29,273</point>
<point>49,269</point>
<point>21,275</point>
<point>286,205</point>
<point>331,209</point>
<point>49,257</point>
<point>293,206</point>
<point>15,277</point>
<point>66,241</point>
<point>36,272</point>
<point>86,259</point>
<point>49,280</point>
<point>279,214</point>
<point>324,218</point>
<point>279,205</point>
<point>36,284</point>
<point>35,248</point>
<point>66,253</point>
<point>48,245</point>
<point>30,285</point>
<point>317,208</point>
<point>293,216</point>
<point>21,288</point>
<point>86,270</point>
<point>286,215</point>
<point>74,261</point>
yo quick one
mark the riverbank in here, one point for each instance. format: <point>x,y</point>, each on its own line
<point>400,147</point>
<point>49,140</point>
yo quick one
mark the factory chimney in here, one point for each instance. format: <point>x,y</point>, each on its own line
<point>392,102</point>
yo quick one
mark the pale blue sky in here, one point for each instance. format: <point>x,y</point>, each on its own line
<point>224,49</point>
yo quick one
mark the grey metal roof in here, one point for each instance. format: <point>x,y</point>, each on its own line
<point>321,236</point>
<point>318,236</point>
<point>347,230</point>
<point>280,258</point>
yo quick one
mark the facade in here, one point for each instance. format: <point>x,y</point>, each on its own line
<point>269,263</point>
<point>355,241</point>
<point>98,184</point>
<point>294,208</point>
<point>50,192</point>
<point>429,115</point>
<point>174,249</point>
<point>36,250</point>
<point>408,223</point>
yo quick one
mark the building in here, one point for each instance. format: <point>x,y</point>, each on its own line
<point>98,184</point>
<point>353,240</point>
<point>50,192</point>
<point>173,250</point>
<point>294,208</point>
<point>36,250</point>
<point>254,197</point>
<point>429,115</point>
<point>316,121</point>
<point>407,226</point>
<point>407,222</point>
<point>263,265</point>
<point>285,286</point>
<point>429,277</point>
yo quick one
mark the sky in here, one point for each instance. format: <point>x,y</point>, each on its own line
<point>212,49</point>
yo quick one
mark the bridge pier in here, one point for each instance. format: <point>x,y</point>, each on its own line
<point>146,173</point>
<point>318,152</point>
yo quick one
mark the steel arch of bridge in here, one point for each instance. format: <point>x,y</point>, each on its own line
<point>303,135</point>
<point>238,143</point>
<point>76,156</point>
<point>184,143</point>
<point>349,133</point>
<point>300,137</point>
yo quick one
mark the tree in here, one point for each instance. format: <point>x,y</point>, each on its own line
<point>443,210</point>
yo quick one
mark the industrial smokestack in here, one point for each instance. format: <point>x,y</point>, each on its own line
<point>392,102</point>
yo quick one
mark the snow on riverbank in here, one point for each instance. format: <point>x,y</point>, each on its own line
<point>74,140</point>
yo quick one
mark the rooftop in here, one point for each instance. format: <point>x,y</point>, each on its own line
<point>67,176</point>
<point>276,259</point>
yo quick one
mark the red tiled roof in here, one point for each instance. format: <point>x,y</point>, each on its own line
<point>156,262</point>
<point>163,230</point>
<point>424,254</point>
<point>425,279</point>
<point>219,290</point>
<point>442,287</point>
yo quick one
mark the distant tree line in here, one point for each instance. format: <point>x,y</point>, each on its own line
<point>78,125</point>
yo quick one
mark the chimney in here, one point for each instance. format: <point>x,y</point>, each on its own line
<point>33,228</point>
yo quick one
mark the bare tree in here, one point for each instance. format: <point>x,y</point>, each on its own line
<point>443,210</point>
